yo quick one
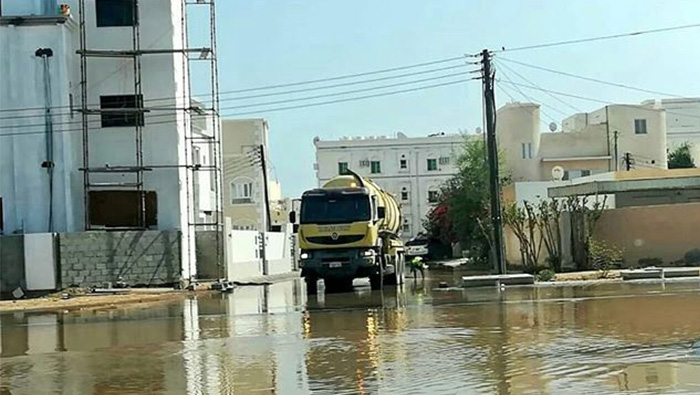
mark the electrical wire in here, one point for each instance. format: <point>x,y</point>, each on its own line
<point>599,38</point>
<point>546,114</point>
<point>532,83</point>
<point>334,94</point>
<point>593,99</point>
<point>592,79</point>
<point>285,85</point>
<point>390,93</point>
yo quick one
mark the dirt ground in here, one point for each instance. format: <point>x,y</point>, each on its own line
<point>90,301</point>
<point>587,275</point>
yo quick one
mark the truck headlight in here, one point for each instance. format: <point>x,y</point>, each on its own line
<point>304,255</point>
<point>368,253</point>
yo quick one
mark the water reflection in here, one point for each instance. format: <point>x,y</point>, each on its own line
<point>632,338</point>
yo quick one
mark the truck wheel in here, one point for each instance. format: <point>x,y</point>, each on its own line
<point>402,269</point>
<point>338,285</point>
<point>375,281</point>
<point>311,285</point>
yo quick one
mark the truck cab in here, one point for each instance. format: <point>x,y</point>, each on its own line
<point>345,233</point>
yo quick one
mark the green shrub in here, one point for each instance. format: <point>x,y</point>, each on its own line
<point>645,262</point>
<point>692,257</point>
<point>604,256</point>
<point>546,275</point>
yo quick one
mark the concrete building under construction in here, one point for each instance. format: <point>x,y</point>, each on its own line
<point>99,129</point>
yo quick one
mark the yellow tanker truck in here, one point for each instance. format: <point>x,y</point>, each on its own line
<point>349,228</point>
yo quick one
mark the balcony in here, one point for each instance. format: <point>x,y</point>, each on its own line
<point>32,12</point>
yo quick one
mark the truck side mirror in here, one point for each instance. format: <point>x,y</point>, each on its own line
<point>292,217</point>
<point>381,212</point>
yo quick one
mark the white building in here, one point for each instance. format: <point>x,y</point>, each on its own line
<point>585,144</point>
<point>682,122</point>
<point>245,141</point>
<point>32,201</point>
<point>413,169</point>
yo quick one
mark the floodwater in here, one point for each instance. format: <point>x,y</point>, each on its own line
<point>597,338</point>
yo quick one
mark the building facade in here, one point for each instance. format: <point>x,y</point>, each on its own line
<point>411,168</point>
<point>586,144</point>
<point>682,122</point>
<point>45,150</point>
<point>244,144</point>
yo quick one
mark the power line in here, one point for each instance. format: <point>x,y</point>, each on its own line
<point>286,85</point>
<point>549,94</point>
<point>347,92</point>
<point>592,79</point>
<point>41,112</point>
<point>551,119</point>
<point>515,101</point>
<point>345,83</point>
<point>357,98</point>
<point>599,38</point>
<point>639,107</point>
<point>279,108</point>
<point>352,75</point>
<point>279,101</point>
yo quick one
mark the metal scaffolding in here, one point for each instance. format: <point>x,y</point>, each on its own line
<point>135,171</point>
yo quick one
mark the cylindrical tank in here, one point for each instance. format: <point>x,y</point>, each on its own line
<point>392,218</point>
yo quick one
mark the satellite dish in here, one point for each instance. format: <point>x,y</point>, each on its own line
<point>558,173</point>
<point>553,126</point>
<point>478,130</point>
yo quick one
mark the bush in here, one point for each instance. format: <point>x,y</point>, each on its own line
<point>692,257</point>
<point>546,275</point>
<point>645,262</point>
<point>604,256</point>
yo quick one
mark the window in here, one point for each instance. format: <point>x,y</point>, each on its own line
<point>406,226</point>
<point>343,168</point>
<point>112,13</point>
<point>433,196</point>
<point>585,173</point>
<point>403,163</point>
<point>529,150</point>
<point>444,160</point>
<point>432,164</point>
<point>375,167</point>
<point>116,209</point>
<point>640,126</point>
<point>404,194</point>
<point>364,163</point>
<point>526,149</point>
<point>241,192</point>
<point>130,117</point>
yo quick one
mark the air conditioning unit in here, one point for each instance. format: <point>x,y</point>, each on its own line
<point>445,160</point>
<point>364,163</point>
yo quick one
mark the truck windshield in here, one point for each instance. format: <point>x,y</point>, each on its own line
<point>335,209</point>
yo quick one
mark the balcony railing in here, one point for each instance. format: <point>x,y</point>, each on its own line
<point>29,8</point>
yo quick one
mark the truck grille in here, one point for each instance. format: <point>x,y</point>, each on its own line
<point>328,240</point>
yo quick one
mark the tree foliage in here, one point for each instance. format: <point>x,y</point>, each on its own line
<point>680,158</point>
<point>462,212</point>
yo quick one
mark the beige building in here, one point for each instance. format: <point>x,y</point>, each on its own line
<point>245,142</point>
<point>586,143</point>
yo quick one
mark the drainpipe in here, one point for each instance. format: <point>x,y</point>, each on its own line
<point>48,164</point>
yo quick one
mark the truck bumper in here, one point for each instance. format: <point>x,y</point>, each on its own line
<point>339,264</point>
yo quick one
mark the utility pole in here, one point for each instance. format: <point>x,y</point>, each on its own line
<point>492,157</point>
<point>628,161</point>
<point>267,222</point>
<point>616,135</point>
<point>263,163</point>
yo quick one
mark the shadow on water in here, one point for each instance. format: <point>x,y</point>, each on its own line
<point>418,338</point>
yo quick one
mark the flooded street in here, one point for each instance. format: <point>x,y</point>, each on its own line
<point>597,338</point>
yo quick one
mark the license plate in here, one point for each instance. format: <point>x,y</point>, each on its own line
<point>334,265</point>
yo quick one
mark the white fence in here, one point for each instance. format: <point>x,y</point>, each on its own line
<point>248,257</point>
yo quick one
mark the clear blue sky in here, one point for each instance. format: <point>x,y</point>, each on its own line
<point>264,42</point>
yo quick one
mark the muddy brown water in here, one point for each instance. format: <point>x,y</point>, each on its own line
<point>595,338</point>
